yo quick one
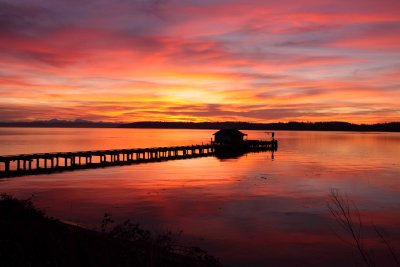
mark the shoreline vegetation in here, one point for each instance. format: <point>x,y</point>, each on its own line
<point>29,238</point>
<point>286,126</point>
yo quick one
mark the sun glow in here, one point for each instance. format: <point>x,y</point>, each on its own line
<point>253,61</point>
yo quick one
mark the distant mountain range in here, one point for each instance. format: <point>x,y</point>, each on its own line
<point>290,126</point>
<point>61,124</point>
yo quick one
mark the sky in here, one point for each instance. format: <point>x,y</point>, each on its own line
<point>200,60</point>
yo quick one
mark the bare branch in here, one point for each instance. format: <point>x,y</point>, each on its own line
<point>388,245</point>
<point>349,218</point>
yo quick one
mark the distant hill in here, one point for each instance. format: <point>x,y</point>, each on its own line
<point>289,126</point>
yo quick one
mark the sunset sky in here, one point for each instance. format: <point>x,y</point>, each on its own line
<point>200,60</point>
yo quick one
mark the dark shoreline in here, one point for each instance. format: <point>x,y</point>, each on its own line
<point>29,238</point>
<point>289,126</point>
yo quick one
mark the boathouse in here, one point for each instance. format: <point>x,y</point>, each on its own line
<point>229,136</point>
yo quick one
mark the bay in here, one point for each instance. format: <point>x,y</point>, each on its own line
<point>261,209</point>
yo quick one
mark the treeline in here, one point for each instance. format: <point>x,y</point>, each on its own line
<point>288,126</point>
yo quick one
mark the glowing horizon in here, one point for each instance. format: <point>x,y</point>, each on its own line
<point>256,61</point>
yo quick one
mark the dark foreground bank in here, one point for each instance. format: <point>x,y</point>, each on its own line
<point>29,238</point>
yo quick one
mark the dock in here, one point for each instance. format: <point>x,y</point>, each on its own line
<point>39,163</point>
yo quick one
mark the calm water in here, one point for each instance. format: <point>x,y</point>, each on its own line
<point>248,211</point>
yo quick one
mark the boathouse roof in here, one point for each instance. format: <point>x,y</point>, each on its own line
<point>230,132</point>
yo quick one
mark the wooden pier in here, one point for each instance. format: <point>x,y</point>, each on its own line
<point>30,164</point>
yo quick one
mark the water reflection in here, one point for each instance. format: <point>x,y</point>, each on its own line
<point>223,154</point>
<point>248,211</point>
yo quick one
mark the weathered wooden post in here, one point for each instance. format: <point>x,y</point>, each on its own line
<point>6,166</point>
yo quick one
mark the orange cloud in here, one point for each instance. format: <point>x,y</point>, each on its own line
<point>247,60</point>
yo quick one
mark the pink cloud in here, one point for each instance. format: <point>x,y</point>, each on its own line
<point>231,56</point>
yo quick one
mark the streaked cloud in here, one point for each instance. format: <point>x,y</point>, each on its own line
<point>200,60</point>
